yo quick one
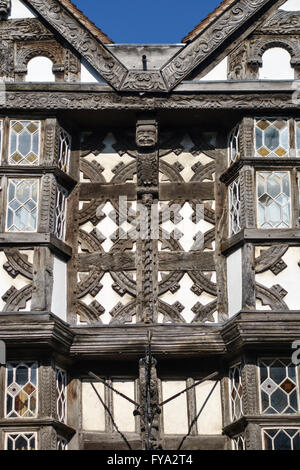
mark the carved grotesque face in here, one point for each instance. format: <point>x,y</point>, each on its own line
<point>146,135</point>
<point>4,8</point>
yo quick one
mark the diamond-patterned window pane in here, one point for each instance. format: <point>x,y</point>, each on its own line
<point>64,151</point>
<point>24,143</point>
<point>61,395</point>
<point>272,138</point>
<point>278,386</point>
<point>234,145</point>
<point>273,199</point>
<point>22,205</point>
<point>21,390</point>
<point>60,213</point>
<point>21,441</point>
<point>235,207</point>
<point>238,443</point>
<point>281,439</point>
<point>236,392</point>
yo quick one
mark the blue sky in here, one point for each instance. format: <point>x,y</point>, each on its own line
<point>151,22</point>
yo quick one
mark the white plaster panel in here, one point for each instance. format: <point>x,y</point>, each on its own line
<point>186,159</point>
<point>289,278</point>
<point>20,10</point>
<point>109,158</point>
<point>88,75</point>
<point>210,420</point>
<point>108,298</point>
<point>219,72</point>
<point>6,281</point>
<point>123,410</point>
<point>186,297</point>
<point>175,413</point>
<point>93,414</point>
<point>40,70</point>
<point>234,282</point>
<point>186,226</point>
<point>291,5</point>
<point>276,65</point>
<point>59,295</point>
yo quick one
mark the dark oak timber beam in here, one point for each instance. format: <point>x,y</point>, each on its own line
<point>168,261</point>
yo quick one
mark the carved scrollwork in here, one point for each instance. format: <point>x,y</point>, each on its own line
<point>282,22</point>
<point>204,313</point>
<point>271,259</point>
<point>90,313</point>
<point>16,300</point>
<point>17,263</point>
<point>272,297</point>
<point>122,314</point>
<point>171,313</point>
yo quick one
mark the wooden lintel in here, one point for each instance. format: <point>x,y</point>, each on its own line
<point>168,261</point>
<point>187,191</point>
<point>90,191</point>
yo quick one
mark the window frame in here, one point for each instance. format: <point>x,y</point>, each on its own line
<point>5,212</point>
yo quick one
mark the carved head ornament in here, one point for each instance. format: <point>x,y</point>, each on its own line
<point>5,6</point>
<point>146,134</point>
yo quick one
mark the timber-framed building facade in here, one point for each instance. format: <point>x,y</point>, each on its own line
<point>150,201</point>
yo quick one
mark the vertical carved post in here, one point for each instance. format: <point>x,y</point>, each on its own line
<point>149,387</point>
<point>42,280</point>
<point>147,193</point>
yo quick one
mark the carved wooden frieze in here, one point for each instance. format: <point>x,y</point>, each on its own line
<point>282,22</point>
<point>212,37</point>
<point>29,100</point>
<point>24,29</point>
<point>258,46</point>
<point>81,39</point>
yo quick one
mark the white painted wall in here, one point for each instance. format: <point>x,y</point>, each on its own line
<point>219,72</point>
<point>93,414</point>
<point>276,65</point>
<point>291,5</point>
<point>289,278</point>
<point>123,410</point>
<point>89,75</point>
<point>175,414</point>
<point>20,10</point>
<point>210,420</point>
<point>234,282</point>
<point>39,69</point>
<point>59,296</point>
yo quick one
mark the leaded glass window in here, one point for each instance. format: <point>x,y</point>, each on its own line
<point>274,199</point>
<point>22,205</point>
<point>21,441</point>
<point>238,443</point>
<point>60,213</point>
<point>298,138</point>
<point>24,143</point>
<point>64,151</point>
<point>272,138</point>
<point>21,390</point>
<point>236,392</point>
<point>281,439</point>
<point>61,394</point>
<point>235,207</point>
<point>234,145</point>
<point>61,444</point>
<point>278,387</point>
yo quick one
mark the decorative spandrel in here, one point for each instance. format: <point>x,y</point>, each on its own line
<point>24,142</point>
<point>272,138</point>
<point>21,390</point>
<point>22,205</point>
<point>274,199</point>
<point>281,439</point>
<point>21,441</point>
<point>278,387</point>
